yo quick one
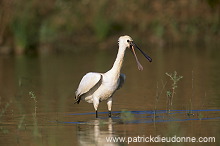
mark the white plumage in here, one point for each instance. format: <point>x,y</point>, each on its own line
<point>96,87</point>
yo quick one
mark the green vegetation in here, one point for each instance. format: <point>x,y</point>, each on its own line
<point>28,25</point>
<point>126,116</point>
<point>35,130</point>
<point>33,96</point>
<point>21,122</point>
<point>170,93</point>
<point>158,95</point>
<point>2,112</point>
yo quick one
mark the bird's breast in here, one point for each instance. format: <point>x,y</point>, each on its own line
<point>106,89</point>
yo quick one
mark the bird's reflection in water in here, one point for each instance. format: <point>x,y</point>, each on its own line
<point>96,132</point>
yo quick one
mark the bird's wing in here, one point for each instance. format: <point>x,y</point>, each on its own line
<point>121,80</point>
<point>90,82</point>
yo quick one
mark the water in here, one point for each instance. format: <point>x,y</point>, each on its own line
<point>54,78</point>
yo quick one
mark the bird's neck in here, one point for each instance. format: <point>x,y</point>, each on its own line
<point>116,68</point>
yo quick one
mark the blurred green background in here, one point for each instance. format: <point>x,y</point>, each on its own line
<point>33,26</point>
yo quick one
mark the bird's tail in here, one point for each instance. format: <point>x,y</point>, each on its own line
<point>77,99</point>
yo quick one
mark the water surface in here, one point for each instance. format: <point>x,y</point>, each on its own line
<point>136,109</point>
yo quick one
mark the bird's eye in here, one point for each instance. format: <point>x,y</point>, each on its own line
<point>128,41</point>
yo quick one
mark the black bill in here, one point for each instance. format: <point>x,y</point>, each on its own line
<point>133,45</point>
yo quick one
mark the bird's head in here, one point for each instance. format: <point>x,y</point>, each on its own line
<point>127,42</point>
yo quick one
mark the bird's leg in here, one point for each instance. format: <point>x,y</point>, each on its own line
<point>96,114</point>
<point>109,113</point>
<point>96,104</point>
<point>109,103</point>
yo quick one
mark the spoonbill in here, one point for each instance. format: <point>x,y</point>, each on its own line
<point>96,87</point>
